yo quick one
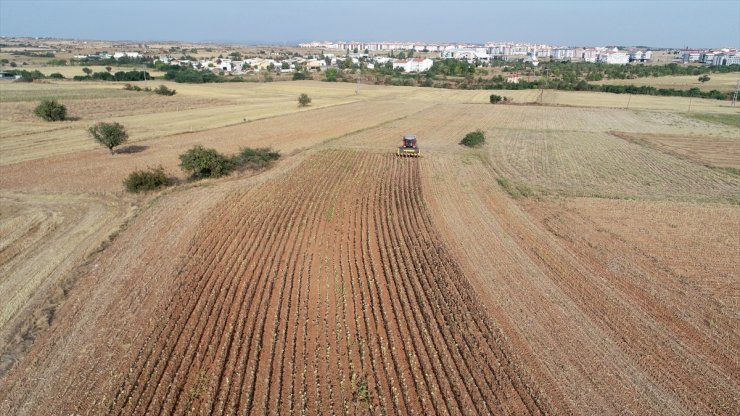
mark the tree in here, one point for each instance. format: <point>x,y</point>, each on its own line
<point>201,162</point>
<point>331,74</point>
<point>107,68</point>
<point>109,135</point>
<point>704,78</point>
<point>51,110</point>
<point>87,71</point>
<point>495,98</point>
<point>304,100</point>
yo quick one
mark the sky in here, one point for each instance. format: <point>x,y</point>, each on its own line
<point>675,24</point>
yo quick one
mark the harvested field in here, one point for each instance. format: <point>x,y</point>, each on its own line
<point>600,164</point>
<point>45,237</point>
<point>710,151</point>
<point>624,322</point>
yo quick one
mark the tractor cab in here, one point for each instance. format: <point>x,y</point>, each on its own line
<point>409,147</point>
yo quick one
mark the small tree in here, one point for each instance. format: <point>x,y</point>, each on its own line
<point>331,74</point>
<point>704,78</point>
<point>87,71</point>
<point>495,98</point>
<point>109,135</point>
<point>51,110</point>
<point>200,162</point>
<point>473,139</point>
<point>304,100</point>
<point>107,68</point>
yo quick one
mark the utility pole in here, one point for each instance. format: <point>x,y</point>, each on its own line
<point>734,96</point>
<point>690,98</point>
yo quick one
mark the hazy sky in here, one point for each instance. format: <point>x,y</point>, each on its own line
<point>574,23</point>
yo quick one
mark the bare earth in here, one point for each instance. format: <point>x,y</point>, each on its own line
<point>585,260</point>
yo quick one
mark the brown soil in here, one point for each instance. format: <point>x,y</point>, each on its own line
<point>325,290</point>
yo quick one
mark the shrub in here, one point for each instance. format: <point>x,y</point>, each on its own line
<point>163,90</point>
<point>473,139</point>
<point>298,76</point>
<point>304,100</point>
<point>109,135</point>
<point>51,110</point>
<point>200,162</point>
<point>56,75</point>
<point>495,98</point>
<point>255,158</point>
<point>147,180</point>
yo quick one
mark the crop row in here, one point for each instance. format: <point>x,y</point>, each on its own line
<point>324,291</point>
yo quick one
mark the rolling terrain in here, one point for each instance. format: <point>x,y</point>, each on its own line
<point>583,261</point>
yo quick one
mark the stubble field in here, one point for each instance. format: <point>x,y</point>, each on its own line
<point>583,261</point>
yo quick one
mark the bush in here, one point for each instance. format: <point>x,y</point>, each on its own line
<point>303,100</point>
<point>163,90</point>
<point>51,110</point>
<point>147,180</point>
<point>298,76</point>
<point>200,162</point>
<point>495,98</point>
<point>109,135</point>
<point>255,158</point>
<point>473,139</point>
<point>56,75</point>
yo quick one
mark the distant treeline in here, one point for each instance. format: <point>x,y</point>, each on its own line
<point>118,76</point>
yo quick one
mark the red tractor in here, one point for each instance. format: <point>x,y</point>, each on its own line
<point>409,147</point>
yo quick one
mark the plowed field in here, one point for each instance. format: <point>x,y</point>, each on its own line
<point>325,292</point>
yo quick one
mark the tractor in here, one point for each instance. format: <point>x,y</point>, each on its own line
<point>409,147</point>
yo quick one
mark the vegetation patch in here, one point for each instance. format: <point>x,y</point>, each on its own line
<point>260,158</point>
<point>163,90</point>
<point>147,180</point>
<point>200,162</point>
<point>304,100</point>
<point>51,110</point>
<point>732,120</point>
<point>474,139</point>
<point>515,190</point>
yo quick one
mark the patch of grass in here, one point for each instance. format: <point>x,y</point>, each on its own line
<point>515,190</point>
<point>359,388</point>
<point>732,120</point>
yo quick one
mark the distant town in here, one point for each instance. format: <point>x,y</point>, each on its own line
<point>534,52</point>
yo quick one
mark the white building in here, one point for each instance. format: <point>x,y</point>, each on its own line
<point>589,55</point>
<point>640,56</point>
<point>413,64</point>
<point>690,55</point>
<point>726,59</point>
<point>119,55</point>
<point>562,54</point>
<point>614,57</point>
